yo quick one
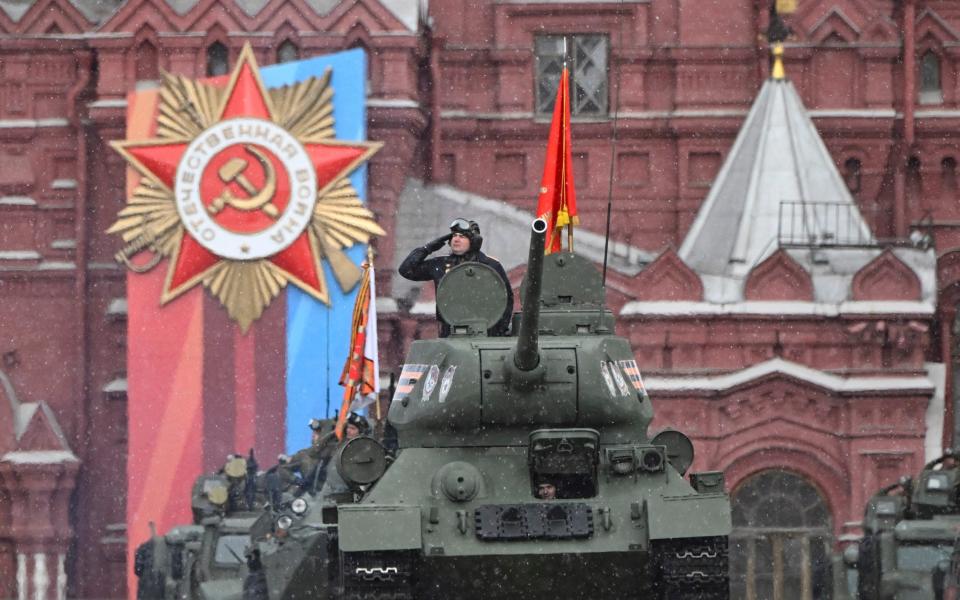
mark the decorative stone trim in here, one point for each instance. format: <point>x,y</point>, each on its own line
<point>779,277</point>
<point>668,278</point>
<point>886,278</point>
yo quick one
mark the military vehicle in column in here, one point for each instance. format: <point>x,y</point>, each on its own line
<point>206,559</point>
<point>909,533</point>
<point>524,468</point>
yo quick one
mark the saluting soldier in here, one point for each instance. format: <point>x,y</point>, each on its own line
<point>465,241</point>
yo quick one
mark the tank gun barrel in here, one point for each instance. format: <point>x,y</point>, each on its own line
<point>527,355</point>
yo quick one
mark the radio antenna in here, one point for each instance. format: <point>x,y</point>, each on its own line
<point>613,157</point>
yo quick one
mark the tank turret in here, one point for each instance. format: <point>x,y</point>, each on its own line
<point>473,390</point>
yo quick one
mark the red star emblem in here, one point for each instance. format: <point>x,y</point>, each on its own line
<point>239,191</point>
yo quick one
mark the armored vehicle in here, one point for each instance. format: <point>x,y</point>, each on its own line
<point>909,533</point>
<point>206,559</point>
<point>524,467</point>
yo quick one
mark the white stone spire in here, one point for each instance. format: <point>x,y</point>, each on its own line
<point>778,158</point>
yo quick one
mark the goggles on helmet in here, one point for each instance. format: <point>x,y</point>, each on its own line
<point>358,421</point>
<point>460,226</point>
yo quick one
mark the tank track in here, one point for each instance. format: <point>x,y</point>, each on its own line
<point>373,577</point>
<point>691,569</point>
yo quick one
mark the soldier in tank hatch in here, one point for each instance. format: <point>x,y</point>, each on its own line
<point>465,241</point>
<point>547,490</point>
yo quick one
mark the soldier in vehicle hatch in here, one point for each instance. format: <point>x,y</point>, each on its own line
<point>547,490</point>
<point>307,467</point>
<point>465,241</point>
<point>333,484</point>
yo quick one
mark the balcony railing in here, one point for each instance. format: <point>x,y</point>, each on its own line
<point>823,224</point>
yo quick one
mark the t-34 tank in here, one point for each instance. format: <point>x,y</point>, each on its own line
<point>525,469</point>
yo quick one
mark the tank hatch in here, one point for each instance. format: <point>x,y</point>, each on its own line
<point>471,298</point>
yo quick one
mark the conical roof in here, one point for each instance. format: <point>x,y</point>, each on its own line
<point>778,157</point>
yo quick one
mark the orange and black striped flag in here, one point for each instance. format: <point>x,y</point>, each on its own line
<point>360,377</point>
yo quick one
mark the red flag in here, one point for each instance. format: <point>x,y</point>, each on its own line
<point>558,201</point>
<point>360,370</point>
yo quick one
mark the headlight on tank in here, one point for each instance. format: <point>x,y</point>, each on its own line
<point>284,522</point>
<point>627,461</point>
<point>298,506</point>
<point>622,461</point>
<point>651,460</point>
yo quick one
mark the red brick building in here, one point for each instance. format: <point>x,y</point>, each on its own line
<point>795,367</point>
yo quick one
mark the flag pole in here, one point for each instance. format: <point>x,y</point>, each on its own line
<point>566,108</point>
<point>374,301</point>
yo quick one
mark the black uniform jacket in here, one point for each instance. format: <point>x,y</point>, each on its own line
<point>417,267</point>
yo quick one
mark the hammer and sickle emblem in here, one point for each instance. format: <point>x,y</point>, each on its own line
<point>232,171</point>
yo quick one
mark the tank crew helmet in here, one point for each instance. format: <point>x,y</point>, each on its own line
<point>358,421</point>
<point>321,427</point>
<point>470,229</point>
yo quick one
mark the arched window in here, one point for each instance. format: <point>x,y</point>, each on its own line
<point>147,67</point>
<point>914,181</point>
<point>782,539</point>
<point>287,52</point>
<point>851,174</point>
<point>217,60</point>
<point>930,90</point>
<point>948,174</point>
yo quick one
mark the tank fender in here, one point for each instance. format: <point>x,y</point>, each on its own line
<point>696,515</point>
<point>377,527</point>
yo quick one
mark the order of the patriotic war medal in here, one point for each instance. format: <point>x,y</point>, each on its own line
<point>245,189</point>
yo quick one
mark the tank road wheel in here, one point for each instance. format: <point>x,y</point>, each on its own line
<point>690,569</point>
